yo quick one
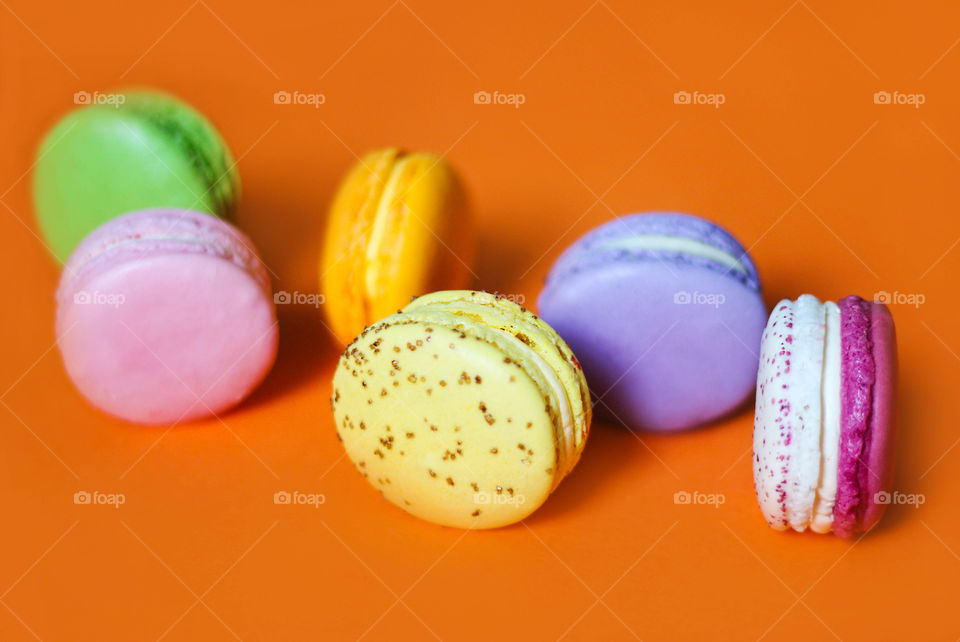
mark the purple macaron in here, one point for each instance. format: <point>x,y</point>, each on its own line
<point>664,312</point>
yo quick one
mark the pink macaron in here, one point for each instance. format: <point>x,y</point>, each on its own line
<point>164,316</point>
<point>824,433</point>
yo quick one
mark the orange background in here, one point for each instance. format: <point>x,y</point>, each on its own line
<point>833,193</point>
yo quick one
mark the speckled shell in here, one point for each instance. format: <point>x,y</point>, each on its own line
<point>447,424</point>
<point>787,428</point>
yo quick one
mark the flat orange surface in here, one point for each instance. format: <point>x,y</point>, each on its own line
<point>833,192</point>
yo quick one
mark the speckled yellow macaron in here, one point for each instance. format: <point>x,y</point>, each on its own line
<point>398,227</point>
<point>463,409</point>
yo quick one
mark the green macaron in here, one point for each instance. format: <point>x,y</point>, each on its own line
<point>144,149</point>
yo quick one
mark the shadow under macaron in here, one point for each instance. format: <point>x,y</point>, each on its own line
<point>609,450</point>
<point>744,408</point>
<point>307,350</point>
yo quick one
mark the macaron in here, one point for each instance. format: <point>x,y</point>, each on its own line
<point>164,316</point>
<point>665,312</point>
<point>463,409</point>
<point>143,149</point>
<point>398,227</point>
<point>824,434</point>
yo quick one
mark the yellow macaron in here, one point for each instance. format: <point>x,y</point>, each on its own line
<point>398,227</point>
<point>463,409</point>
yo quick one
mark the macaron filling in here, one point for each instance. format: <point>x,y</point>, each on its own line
<point>676,245</point>
<point>670,236</point>
<point>387,204</point>
<point>822,519</point>
<point>805,420</point>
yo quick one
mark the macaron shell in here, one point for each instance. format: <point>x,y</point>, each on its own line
<point>161,230</point>
<point>499,313</point>
<point>442,426</point>
<point>858,374</point>
<point>420,240</point>
<point>398,227</point>
<point>167,338</point>
<point>803,415</point>
<point>799,360</point>
<point>658,347</point>
<point>514,352</point>
<point>877,474</point>
<point>197,138</point>
<point>588,250</point>
<point>772,441</point>
<point>342,266</point>
<point>100,162</point>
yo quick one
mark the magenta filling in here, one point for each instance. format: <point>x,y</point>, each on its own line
<point>858,376</point>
